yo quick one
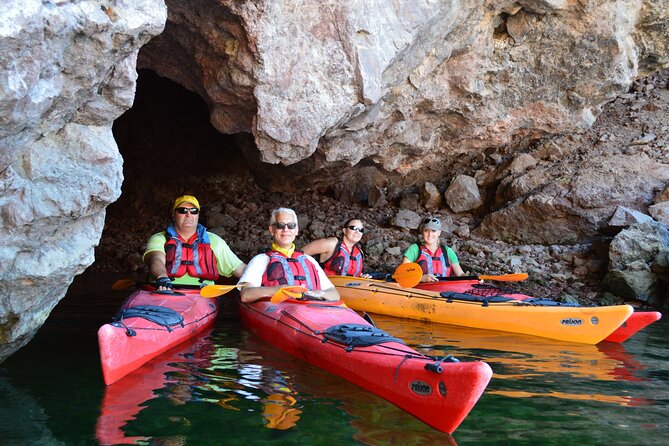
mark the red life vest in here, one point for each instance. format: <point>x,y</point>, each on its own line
<point>293,270</point>
<point>194,256</point>
<point>436,264</point>
<point>344,263</point>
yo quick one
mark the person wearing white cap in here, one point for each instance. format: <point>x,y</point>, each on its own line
<point>186,253</point>
<point>435,259</point>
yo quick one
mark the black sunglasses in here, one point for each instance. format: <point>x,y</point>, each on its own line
<point>357,228</point>
<point>280,225</point>
<point>433,220</point>
<point>193,211</point>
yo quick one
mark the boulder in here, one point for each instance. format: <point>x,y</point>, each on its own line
<point>463,194</point>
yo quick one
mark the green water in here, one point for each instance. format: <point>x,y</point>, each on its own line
<point>227,387</point>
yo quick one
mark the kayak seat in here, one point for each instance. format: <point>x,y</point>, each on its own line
<point>165,317</point>
<point>451,296</point>
<point>357,335</point>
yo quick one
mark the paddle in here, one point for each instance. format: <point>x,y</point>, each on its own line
<point>518,277</point>
<point>290,292</point>
<point>122,284</point>
<point>218,290</point>
<point>408,275</point>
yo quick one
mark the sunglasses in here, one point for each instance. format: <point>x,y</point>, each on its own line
<point>182,211</point>
<point>431,220</point>
<point>280,225</point>
<point>357,228</point>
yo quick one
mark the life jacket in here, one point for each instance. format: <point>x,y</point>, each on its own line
<point>194,257</point>
<point>344,263</point>
<point>436,264</point>
<point>293,270</point>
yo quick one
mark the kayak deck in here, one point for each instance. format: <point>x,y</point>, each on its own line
<point>588,325</point>
<point>637,320</point>
<point>148,324</point>
<point>439,392</point>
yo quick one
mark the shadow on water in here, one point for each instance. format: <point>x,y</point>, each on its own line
<point>228,387</point>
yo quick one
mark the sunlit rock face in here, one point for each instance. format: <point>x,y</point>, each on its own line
<point>405,83</point>
<point>403,86</point>
<point>67,71</point>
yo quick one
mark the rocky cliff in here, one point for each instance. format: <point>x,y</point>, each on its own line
<point>486,99</point>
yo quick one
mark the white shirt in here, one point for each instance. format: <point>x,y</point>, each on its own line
<point>256,268</point>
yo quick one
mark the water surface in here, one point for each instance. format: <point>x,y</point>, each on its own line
<point>228,387</point>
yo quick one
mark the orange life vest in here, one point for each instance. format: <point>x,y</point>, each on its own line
<point>436,264</point>
<point>344,263</point>
<point>293,270</point>
<point>194,256</point>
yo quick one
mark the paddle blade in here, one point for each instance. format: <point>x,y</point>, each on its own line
<point>408,275</point>
<point>518,277</point>
<point>216,290</point>
<point>123,284</point>
<point>291,292</point>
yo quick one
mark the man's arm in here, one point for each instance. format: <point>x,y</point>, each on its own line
<point>239,270</point>
<point>155,261</point>
<point>252,278</point>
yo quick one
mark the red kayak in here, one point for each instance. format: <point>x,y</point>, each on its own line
<point>149,323</point>
<point>636,321</point>
<point>438,391</point>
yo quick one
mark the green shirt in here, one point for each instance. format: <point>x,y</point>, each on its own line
<point>226,260</point>
<point>413,252</point>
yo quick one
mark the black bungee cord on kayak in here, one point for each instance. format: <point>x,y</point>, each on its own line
<point>350,336</point>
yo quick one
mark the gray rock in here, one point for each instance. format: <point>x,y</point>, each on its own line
<point>660,212</point>
<point>376,197</point>
<point>430,196</point>
<point>463,194</point>
<point>410,201</point>
<point>624,217</point>
<point>406,218</point>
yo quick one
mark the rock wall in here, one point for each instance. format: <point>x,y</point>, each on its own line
<point>405,85</point>
<point>405,88</point>
<point>67,71</point>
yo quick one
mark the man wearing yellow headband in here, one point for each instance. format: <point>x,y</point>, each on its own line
<point>186,253</point>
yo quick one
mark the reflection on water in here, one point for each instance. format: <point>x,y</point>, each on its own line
<point>228,387</point>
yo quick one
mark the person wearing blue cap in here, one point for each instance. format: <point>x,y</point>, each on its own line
<point>186,253</point>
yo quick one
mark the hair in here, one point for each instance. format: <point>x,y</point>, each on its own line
<point>348,222</point>
<point>278,211</point>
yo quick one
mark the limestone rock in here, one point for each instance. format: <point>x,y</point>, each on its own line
<point>376,197</point>
<point>406,218</point>
<point>404,84</point>
<point>577,203</point>
<point>463,194</point>
<point>632,254</point>
<point>430,196</point>
<point>662,196</point>
<point>660,212</point>
<point>625,217</point>
<point>410,201</point>
<point>67,71</point>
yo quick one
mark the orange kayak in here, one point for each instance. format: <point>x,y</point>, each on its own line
<point>637,320</point>
<point>588,325</point>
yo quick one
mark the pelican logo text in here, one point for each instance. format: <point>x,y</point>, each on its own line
<point>571,321</point>
<point>420,387</point>
<point>351,284</point>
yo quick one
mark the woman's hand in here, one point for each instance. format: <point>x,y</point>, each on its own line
<point>429,278</point>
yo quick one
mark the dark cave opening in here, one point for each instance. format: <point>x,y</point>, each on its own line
<point>169,148</point>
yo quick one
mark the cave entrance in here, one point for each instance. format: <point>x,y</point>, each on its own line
<point>169,148</point>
